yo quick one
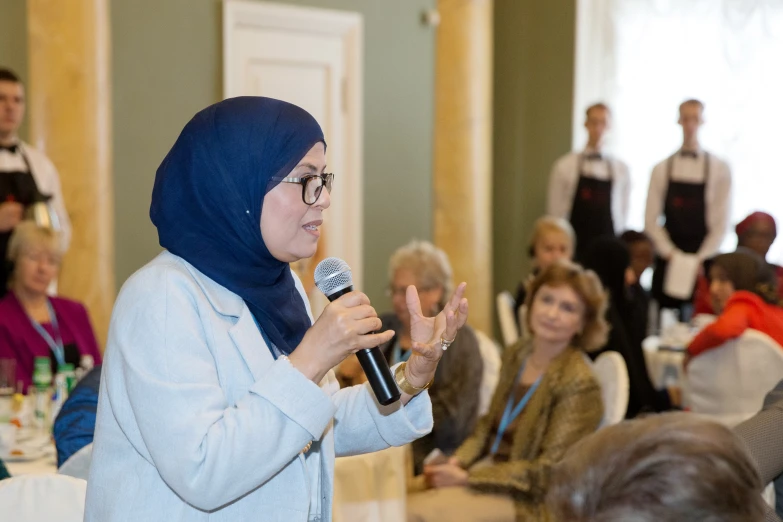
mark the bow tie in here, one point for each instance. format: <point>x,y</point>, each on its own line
<point>688,154</point>
<point>10,148</point>
<point>594,156</point>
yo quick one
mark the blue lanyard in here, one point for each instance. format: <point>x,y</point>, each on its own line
<point>397,356</point>
<point>512,412</point>
<point>56,346</point>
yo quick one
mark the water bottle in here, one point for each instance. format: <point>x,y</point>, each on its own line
<point>42,380</point>
<point>68,371</point>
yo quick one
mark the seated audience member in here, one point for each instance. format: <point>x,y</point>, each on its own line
<point>642,257</point>
<point>668,467</point>
<point>458,377</point>
<point>32,324</point>
<point>743,288</point>
<point>547,399</point>
<point>756,232</point>
<point>553,239</point>
<point>761,435</point>
<point>609,258</point>
<point>74,426</point>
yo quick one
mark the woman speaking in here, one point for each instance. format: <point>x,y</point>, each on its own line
<point>217,399</point>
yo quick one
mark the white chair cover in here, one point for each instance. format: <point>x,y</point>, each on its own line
<point>728,384</point>
<point>612,374</point>
<point>42,498</point>
<point>490,356</point>
<point>506,314</point>
<point>78,464</point>
<point>370,487</point>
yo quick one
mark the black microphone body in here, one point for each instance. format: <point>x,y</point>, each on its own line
<point>375,367</point>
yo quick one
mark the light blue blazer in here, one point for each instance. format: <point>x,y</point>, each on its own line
<point>198,422</point>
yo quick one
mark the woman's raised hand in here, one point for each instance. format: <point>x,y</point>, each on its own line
<point>346,326</point>
<point>427,332</point>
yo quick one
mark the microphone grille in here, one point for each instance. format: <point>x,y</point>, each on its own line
<point>332,274</point>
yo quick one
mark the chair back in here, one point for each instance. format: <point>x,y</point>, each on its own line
<point>39,498</point>
<point>612,373</point>
<point>490,356</point>
<point>78,464</point>
<point>506,314</point>
<point>728,384</point>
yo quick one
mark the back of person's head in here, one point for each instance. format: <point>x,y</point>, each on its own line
<point>630,237</point>
<point>7,75</point>
<point>588,287</point>
<point>609,258</point>
<point>669,467</point>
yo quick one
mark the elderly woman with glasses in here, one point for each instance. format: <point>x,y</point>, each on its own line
<point>32,323</point>
<point>454,390</point>
<point>218,400</point>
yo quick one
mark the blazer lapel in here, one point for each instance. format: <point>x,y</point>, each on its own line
<point>251,344</point>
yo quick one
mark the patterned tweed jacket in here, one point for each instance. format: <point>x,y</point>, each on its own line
<point>566,407</point>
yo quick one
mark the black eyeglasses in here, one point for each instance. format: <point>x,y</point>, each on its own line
<point>312,186</point>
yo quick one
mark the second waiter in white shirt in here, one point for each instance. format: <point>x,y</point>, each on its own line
<point>590,188</point>
<point>688,209</point>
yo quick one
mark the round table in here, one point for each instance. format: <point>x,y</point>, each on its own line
<point>44,461</point>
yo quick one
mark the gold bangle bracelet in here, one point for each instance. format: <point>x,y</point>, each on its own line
<point>404,385</point>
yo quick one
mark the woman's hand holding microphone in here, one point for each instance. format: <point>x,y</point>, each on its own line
<point>346,326</point>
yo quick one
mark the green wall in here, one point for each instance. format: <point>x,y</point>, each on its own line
<point>13,40</point>
<point>533,103</point>
<point>167,65</point>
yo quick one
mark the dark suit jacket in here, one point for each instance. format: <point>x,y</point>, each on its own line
<point>454,392</point>
<point>763,436</point>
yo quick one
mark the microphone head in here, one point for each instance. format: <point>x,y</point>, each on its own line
<point>332,275</point>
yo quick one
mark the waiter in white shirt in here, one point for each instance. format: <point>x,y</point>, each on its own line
<point>688,208</point>
<point>26,174</point>
<point>590,188</point>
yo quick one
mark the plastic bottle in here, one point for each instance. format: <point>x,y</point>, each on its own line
<point>42,380</point>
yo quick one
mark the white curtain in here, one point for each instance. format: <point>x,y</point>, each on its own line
<point>644,57</point>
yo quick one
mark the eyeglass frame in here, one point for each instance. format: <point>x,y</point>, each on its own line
<point>327,179</point>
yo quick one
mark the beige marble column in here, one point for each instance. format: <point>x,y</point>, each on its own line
<point>69,111</point>
<point>463,149</point>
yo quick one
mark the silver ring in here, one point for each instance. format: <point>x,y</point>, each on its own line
<point>444,344</point>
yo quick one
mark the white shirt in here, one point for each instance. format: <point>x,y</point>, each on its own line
<point>717,197</point>
<point>565,177</point>
<point>46,178</point>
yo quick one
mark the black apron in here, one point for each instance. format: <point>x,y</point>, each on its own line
<point>591,210</point>
<point>18,186</point>
<point>685,212</point>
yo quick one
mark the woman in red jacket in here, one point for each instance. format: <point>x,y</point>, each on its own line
<point>743,290</point>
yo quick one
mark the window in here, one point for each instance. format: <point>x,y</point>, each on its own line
<point>644,57</point>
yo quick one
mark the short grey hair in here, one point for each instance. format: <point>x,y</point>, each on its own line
<point>429,264</point>
<point>673,466</point>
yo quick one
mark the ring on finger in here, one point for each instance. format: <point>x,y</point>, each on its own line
<point>444,344</point>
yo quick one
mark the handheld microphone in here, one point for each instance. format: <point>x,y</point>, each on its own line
<point>333,277</point>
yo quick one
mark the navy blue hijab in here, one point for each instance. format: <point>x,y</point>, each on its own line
<point>207,200</point>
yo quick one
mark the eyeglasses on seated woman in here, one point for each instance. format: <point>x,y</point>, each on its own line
<point>547,399</point>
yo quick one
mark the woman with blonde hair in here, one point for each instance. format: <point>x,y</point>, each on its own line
<point>547,400</point>
<point>33,324</point>
<point>553,239</point>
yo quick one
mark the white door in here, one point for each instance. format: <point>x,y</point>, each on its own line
<point>312,58</point>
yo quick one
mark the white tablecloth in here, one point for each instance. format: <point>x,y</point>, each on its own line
<point>371,487</point>
<point>45,460</point>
